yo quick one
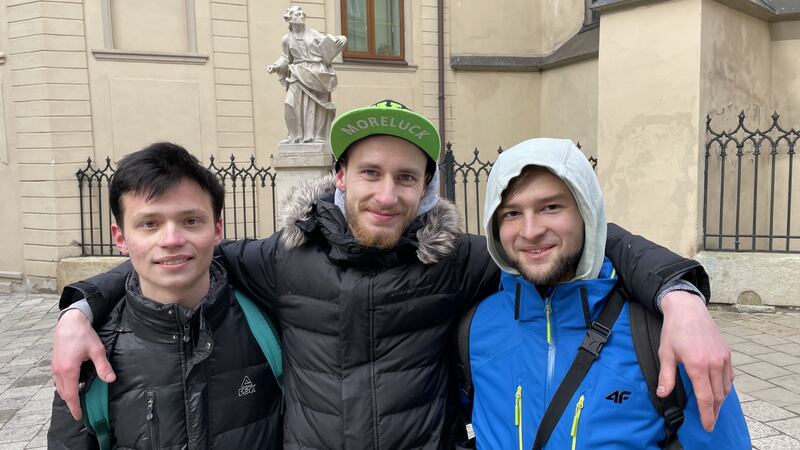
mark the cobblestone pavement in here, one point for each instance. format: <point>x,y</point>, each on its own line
<point>766,353</point>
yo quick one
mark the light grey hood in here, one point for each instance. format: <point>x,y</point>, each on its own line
<point>567,162</point>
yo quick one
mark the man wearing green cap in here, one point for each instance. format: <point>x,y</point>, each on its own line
<point>366,277</point>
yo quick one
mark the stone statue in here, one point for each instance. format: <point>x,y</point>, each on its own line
<point>305,72</point>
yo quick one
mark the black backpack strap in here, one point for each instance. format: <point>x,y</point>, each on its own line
<point>646,334</point>
<point>593,343</point>
<point>463,369</point>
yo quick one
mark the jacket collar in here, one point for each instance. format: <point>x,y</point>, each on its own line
<point>159,322</point>
<point>565,298</point>
<point>309,210</point>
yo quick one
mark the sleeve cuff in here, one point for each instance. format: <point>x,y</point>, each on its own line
<point>83,306</point>
<point>678,285</point>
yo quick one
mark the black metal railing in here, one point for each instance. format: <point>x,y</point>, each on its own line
<point>245,187</point>
<point>748,204</point>
<point>464,184</point>
<point>246,197</point>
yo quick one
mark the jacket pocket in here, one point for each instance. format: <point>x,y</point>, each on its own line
<point>518,414</point>
<point>576,420</point>
<point>152,419</point>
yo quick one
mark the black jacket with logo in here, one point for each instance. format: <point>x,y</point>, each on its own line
<point>193,379</point>
<point>366,331</point>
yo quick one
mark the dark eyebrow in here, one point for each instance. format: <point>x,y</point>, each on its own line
<point>561,196</point>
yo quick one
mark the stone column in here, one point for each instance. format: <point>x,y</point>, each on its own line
<point>663,66</point>
<point>53,128</point>
<point>296,163</point>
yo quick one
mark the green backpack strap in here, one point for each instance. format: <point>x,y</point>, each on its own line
<point>94,403</point>
<point>265,335</point>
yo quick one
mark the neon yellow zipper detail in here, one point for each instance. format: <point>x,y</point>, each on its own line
<point>575,420</point>
<point>518,414</point>
<point>547,316</point>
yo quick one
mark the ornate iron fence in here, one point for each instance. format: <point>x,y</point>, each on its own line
<point>748,204</point>
<point>464,184</point>
<point>245,197</point>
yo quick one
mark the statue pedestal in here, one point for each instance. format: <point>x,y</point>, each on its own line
<point>296,163</point>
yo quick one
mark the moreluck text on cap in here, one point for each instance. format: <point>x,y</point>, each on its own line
<point>386,122</point>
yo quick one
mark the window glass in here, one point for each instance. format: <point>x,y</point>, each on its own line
<point>357,15</point>
<point>374,29</point>
<point>387,27</point>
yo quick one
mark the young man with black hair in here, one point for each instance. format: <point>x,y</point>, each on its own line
<point>366,277</point>
<point>181,346</point>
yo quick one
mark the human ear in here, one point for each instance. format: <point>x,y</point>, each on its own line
<point>340,174</point>
<point>119,239</point>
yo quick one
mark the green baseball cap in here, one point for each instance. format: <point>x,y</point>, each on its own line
<point>385,117</point>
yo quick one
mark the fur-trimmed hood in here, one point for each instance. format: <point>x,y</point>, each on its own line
<point>306,207</point>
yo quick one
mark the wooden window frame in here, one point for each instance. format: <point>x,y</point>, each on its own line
<point>371,55</point>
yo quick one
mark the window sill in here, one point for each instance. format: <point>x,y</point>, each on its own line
<point>157,57</point>
<point>374,66</point>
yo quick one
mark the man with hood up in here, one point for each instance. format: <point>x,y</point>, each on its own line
<point>365,278</point>
<point>546,229</point>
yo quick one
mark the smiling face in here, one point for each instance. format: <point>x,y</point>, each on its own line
<point>383,179</point>
<point>170,240</point>
<point>540,227</point>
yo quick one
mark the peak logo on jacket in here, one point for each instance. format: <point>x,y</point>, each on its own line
<point>247,387</point>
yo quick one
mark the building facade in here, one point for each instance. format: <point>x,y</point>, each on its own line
<point>631,80</point>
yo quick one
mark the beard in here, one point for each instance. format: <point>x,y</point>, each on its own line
<point>376,237</point>
<point>563,269</point>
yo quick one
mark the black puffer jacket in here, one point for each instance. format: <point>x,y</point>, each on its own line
<point>365,331</point>
<point>192,379</point>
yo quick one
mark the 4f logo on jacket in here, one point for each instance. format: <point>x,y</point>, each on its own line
<point>247,387</point>
<point>618,396</point>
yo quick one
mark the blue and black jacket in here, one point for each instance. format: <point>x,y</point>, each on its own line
<point>518,363</point>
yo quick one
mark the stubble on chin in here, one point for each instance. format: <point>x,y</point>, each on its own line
<point>563,270</point>
<point>383,239</point>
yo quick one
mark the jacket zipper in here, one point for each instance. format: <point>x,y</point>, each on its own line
<point>547,317</point>
<point>185,346</point>
<point>518,414</point>
<point>551,348</point>
<point>576,420</point>
<point>373,390</point>
<point>152,425</point>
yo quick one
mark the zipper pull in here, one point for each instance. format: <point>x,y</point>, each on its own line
<point>518,406</point>
<point>577,417</point>
<point>547,317</point>
<point>186,332</point>
<point>150,402</point>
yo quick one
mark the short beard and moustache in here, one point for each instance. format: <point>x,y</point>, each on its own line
<point>384,238</point>
<point>563,270</point>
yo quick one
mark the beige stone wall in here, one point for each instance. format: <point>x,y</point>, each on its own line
<point>12,256</point>
<point>730,84</point>
<point>569,104</point>
<point>507,28</point>
<point>47,71</point>
<point>495,109</point>
<point>753,278</point>
<point>144,99</point>
<point>106,86</point>
<point>784,64</point>
<point>515,27</point>
<point>649,120</point>
<point>559,20</point>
